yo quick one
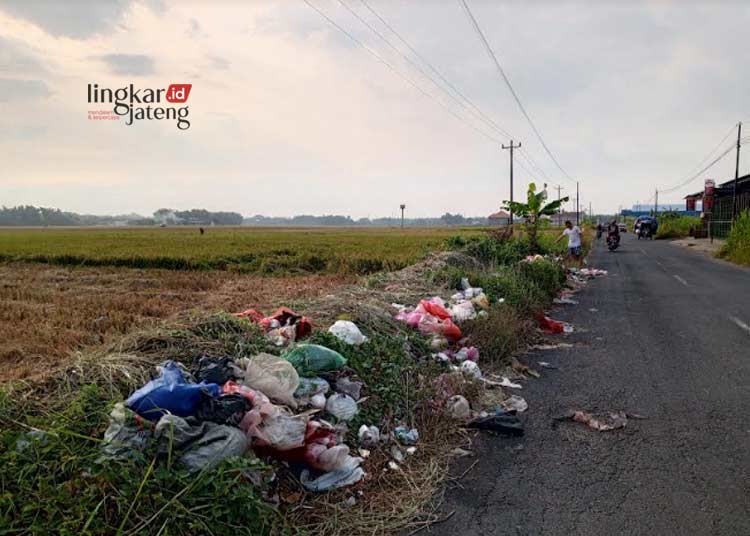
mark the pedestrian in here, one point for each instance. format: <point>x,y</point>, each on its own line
<point>573,232</point>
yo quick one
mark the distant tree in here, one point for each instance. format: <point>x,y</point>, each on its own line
<point>452,219</point>
<point>536,206</point>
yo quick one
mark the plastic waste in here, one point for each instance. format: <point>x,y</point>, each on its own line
<point>469,353</point>
<point>564,300</point>
<point>170,392</point>
<point>438,342</point>
<point>310,359</point>
<point>214,370</point>
<point>341,406</point>
<point>348,387</point>
<point>549,325</point>
<point>199,447</point>
<point>406,436</point>
<point>503,423</point>
<point>514,403</point>
<point>396,453</point>
<point>547,365</point>
<point>505,382</point>
<point>309,387</point>
<point>465,285</point>
<point>347,474</point>
<point>481,301</point>
<point>318,401</point>
<point>273,376</point>
<point>231,387</point>
<point>225,409</point>
<point>435,307</point>
<point>32,438</point>
<point>446,328</point>
<point>602,423</point>
<point>463,311</point>
<point>458,408</point>
<point>369,436</point>
<point>281,431</point>
<point>347,331</point>
<point>471,369</point>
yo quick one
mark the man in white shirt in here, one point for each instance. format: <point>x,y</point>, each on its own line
<point>573,232</point>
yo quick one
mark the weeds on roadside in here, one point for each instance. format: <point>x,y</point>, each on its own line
<point>737,246</point>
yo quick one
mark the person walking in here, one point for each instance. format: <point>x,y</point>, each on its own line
<point>573,233</point>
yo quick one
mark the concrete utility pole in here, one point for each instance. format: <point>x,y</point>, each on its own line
<point>578,207</point>
<point>402,214</point>
<point>736,174</point>
<point>559,209</point>
<point>656,202</point>
<point>591,211</point>
<point>511,147</point>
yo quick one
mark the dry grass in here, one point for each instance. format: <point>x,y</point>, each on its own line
<point>49,313</point>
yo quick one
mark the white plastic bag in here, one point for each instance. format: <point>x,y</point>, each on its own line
<point>348,473</point>
<point>281,432</point>
<point>369,436</point>
<point>343,407</point>
<point>471,369</point>
<point>463,311</point>
<point>458,408</point>
<point>348,332</point>
<point>273,376</point>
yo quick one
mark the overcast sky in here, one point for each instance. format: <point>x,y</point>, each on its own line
<point>289,115</point>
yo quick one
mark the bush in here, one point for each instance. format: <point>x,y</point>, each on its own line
<point>498,336</point>
<point>737,246</point>
<point>679,227</point>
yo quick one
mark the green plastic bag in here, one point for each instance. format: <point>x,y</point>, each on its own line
<point>310,359</point>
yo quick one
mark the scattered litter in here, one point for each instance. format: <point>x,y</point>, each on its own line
<point>396,454</point>
<point>469,353</point>
<point>214,370</point>
<point>170,392</point>
<point>545,364</point>
<point>458,408</point>
<point>393,466</point>
<point>369,436</point>
<point>505,382</point>
<point>458,452</point>
<point>592,272</point>
<point>471,369</point>
<point>565,301</point>
<point>411,450</point>
<point>503,423</point>
<point>364,453</point>
<point>318,401</point>
<point>602,422</point>
<point>311,359</point>
<point>567,328</point>
<point>273,376</point>
<point>225,409</point>
<point>348,332</point>
<point>33,437</point>
<point>348,387</point>
<point>406,436</point>
<point>593,309</point>
<point>549,325</point>
<point>341,406</point>
<point>350,501</point>
<point>514,403</point>
<point>349,473</point>
<point>282,327</point>
<point>557,346</point>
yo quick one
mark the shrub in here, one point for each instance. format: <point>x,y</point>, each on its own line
<point>676,227</point>
<point>737,246</point>
<point>499,335</point>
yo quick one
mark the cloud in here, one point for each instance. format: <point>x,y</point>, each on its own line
<point>220,63</point>
<point>78,19</point>
<point>15,90</point>
<point>129,64</point>
<point>16,58</point>
<point>194,29</point>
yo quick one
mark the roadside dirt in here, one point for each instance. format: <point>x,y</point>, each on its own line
<point>48,313</point>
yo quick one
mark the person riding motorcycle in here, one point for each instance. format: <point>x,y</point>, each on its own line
<point>613,230</point>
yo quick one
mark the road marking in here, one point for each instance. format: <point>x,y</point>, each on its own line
<point>681,280</point>
<point>740,323</point>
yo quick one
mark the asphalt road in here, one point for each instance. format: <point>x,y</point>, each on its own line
<point>669,340</point>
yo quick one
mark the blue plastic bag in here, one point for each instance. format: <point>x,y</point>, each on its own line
<point>170,393</point>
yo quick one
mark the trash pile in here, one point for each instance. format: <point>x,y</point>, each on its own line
<point>292,408</point>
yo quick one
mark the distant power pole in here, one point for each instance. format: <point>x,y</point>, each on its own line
<point>736,174</point>
<point>656,202</point>
<point>591,212</point>
<point>511,147</point>
<point>402,214</point>
<point>578,205</point>
<point>559,209</point>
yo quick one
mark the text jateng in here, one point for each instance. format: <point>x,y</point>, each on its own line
<point>129,102</point>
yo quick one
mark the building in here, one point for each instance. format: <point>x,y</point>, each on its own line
<point>718,204</point>
<point>501,217</point>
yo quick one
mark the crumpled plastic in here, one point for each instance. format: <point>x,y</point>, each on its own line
<point>282,327</point>
<point>170,392</point>
<point>199,447</point>
<point>311,359</point>
<point>406,436</point>
<point>231,387</point>
<point>467,353</point>
<point>434,307</point>
<point>348,332</point>
<point>311,388</point>
<point>471,369</point>
<point>462,311</point>
<point>279,430</point>
<point>127,433</point>
<point>273,376</point>
<point>458,408</point>
<point>503,423</point>
<point>347,474</point>
<point>369,436</point>
<point>214,370</point>
<point>549,325</point>
<point>341,406</point>
<point>348,387</point>
<point>225,409</point>
<point>602,423</point>
<point>514,403</point>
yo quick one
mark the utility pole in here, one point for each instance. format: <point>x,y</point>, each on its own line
<point>591,212</point>
<point>736,174</point>
<point>578,207</point>
<point>656,202</point>
<point>402,214</point>
<point>511,147</point>
<point>559,209</point>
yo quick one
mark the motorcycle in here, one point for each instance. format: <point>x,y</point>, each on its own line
<point>644,231</point>
<point>612,242</point>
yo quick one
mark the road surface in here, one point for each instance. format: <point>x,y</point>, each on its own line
<point>670,339</point>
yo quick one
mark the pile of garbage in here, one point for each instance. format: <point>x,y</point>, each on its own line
<point>292,407</point>
<point>282,327</point>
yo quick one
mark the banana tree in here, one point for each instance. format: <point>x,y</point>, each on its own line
<point>536,206</point>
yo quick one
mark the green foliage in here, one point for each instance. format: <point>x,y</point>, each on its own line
<point>676,227</point>
<point>536,206</point>
<point>503,332</point>
<point>56,484</point>
<point>737,246</point>
<point>269,251</point>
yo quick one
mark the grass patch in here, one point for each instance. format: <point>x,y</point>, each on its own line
<point>676,227</point>
<point>498,336</point>
<point>737,246</point>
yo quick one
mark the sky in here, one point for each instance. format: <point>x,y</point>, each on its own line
<point>290,115</point>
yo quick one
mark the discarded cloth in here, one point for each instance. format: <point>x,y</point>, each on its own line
<point>198,447</point>
<point>170,392</point>
<point>348,332</point>
<point>311,359</point>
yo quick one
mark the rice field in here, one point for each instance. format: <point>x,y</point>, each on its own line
<point>270,251</point>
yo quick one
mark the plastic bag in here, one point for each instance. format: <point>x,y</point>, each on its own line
<point>347,474</point>
<point>225,409</point>
<point>406,436</point>
<point>311,386</point>
<point>343,407</point>
<point>469,353</point>
<point>318,401</point>
<point>214,370</point>
<point>503,423</point>
<point>127,432</point>
<point>549,325</point>
<point>481,301</point>
<point>171,393</point>
<point>310,359</point>
<point>347,332</point>
<point>231,387</point>
<point>458,408</point>
<point>514,403</point>
<point>199,447</point>
<point>471,369</point>
<point>281,432</point>
<point>273,376</point>
<point>369,436</point>
<point>434,307</point>
<point>348,387</point>
<point>463,311</point>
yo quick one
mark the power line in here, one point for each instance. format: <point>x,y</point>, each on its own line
<point>487,46</point>
<point>397,72</point>
<point>706,168</point>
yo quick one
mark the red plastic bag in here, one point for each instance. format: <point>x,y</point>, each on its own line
<point>435,309</point>
<point>252,314</point>
<point>549,325</point>
<point>232,387</point>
